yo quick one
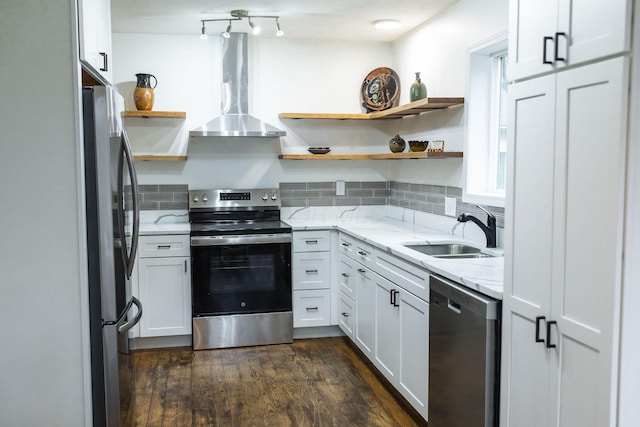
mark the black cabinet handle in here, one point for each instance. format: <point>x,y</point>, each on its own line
<point>346,245</point>
<point>312,308</point>
<point>538,319</point>
<point>345,275</point>
<point>362,253</point>
<point>555,49</point>
<point>311,242</point>
<point>345,314</point>
<point>549,323</point>
<point>544,50</point>
<point>394,294</point>
<point>362,270</point>
<point>391,296</point>
<point>311,271</point>
<point>185,265</point>
<point>164,246</point>
<point>105,61</point>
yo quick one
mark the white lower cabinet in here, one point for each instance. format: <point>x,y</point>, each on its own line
<point>311,276</point>
<point>402,341</point>
<point>164,286</point>
<point>386,322</point>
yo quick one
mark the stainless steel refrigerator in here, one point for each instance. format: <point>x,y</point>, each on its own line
<point>112,215</point>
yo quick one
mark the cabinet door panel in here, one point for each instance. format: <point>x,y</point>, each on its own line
<point>525,374</point>
<point>365,300</point>
<point>387,323</point>
<point>528,241</point>
<point>591,143</point>
<point>529,22</point>
<point>165,293</point>
<point>528,251</point>
<point>588,230</point>
<point>595,29</point>
<point>413,370</point>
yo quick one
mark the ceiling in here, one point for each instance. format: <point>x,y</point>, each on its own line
<point>326,19</point>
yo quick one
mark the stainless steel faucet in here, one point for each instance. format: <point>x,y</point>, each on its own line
<point>490,230</point>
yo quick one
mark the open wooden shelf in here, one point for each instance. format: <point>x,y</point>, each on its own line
<point>159,158</point>
<point>158,114</point>
<point>409,155</point>
<point>411,109</point>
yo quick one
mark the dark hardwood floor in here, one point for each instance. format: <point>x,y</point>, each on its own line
<point>314,382</point>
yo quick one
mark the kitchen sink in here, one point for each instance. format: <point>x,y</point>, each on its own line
<point>449,250</point>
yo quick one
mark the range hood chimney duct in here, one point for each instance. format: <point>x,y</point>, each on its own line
<point>235,119</point>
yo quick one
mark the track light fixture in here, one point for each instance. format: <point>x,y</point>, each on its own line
<point>239,15</point>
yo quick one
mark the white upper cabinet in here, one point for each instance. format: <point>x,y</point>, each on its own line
<point>545,35</point>
<point>95,37</point>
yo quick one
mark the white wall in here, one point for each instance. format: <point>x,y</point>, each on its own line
<point>290,75</point>
<point>438,50</point>
<point>42,282</point>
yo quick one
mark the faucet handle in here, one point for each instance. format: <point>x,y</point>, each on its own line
<point>482,208</point>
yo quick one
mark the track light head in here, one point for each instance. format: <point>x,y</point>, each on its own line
<point>203,32</point>
<point>279,32</point>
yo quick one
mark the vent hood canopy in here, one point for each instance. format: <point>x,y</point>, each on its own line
<point>235,119</point>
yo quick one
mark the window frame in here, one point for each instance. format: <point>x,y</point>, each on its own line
<point>482,122</point>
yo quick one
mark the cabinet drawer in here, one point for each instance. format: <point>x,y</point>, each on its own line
<point>311,270</point>
<point>163,246</point>
<point>311,241</point>
<point>311,308</point>
<point>357,250</point>
<point>403,273</point>
<point>346,244</point>
<point>347,277</point>
<point>346,315</point>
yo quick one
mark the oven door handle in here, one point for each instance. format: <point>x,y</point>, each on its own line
<point>247,239</point>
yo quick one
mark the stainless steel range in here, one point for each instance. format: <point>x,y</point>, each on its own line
<point>241,269</point>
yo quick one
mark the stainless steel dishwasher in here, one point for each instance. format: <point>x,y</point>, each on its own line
<point>464,354</point>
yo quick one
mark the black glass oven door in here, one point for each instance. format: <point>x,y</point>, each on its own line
<point>245,278</point>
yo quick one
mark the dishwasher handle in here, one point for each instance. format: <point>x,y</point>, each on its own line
<point>454,306</point>
<point>464,298</point>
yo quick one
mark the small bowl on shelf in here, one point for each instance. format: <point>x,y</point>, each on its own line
<point>418,145</point>
<point>319,150</point>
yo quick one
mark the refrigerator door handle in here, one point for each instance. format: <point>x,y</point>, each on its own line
<point>122,325</point>
<point>128,257</point>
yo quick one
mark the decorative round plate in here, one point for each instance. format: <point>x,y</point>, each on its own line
<point>319,150</point>
<point>380,89</point>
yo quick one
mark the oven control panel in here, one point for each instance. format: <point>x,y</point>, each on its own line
<point>234,198</point>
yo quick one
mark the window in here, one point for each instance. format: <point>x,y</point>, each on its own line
<point>486,139</point>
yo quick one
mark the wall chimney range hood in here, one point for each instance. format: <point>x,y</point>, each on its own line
<point>235,119</point>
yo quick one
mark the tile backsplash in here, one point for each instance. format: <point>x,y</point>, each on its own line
<point>306,194</point>
<point>419,197</point>
<point>163,197</point>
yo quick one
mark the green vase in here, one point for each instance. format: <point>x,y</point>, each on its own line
<point>418,89</point>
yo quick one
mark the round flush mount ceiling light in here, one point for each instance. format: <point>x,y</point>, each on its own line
<point>386,24</point>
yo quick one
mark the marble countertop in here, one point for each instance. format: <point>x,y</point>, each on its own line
<point>156,229</point>
<point>484,275</point>
<point>164,222</point>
